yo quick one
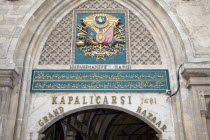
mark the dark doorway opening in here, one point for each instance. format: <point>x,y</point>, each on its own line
<point>100,124</point>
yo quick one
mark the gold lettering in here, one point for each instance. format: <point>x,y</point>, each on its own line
<point>50,116</point>
<point>149,116</point>
<point>114,98</point>
<point>139,109</point>
<point>54,100</point>
<point>129,97</point>
<point>61,109</point>
<point>45,119</point>
<point>70,99</point>
<point>55,112</point>
<point>62,100</point>
<point>105,100</point>
<point>122,100</point>
<point>97,99</point>
<point>154,120</point>
<point>84,102</point>
<point>158,123</point>
<point>144,113</point>
<point>164,127</point>
<point>41,123</point>
<point>77,100</point>
<point>91,99</point>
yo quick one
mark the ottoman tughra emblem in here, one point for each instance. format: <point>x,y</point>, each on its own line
<point>101,36</point>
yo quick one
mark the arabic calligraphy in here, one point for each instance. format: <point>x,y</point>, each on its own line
<point>98,76</point>
<point>100,80</point>
<point>100,85</point>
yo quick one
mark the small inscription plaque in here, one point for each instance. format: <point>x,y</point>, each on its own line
<point>100,80</point>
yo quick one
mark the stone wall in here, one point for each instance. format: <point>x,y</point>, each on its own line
<point>12,14</point>
<point>195,15</point>
<point>181,27</point>
<point>8,103</point>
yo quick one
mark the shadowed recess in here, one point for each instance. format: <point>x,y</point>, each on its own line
<point>100,124</point>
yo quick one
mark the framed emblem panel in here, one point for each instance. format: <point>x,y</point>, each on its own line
<point>100,37</point>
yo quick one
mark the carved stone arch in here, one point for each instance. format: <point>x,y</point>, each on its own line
<point>27,33</point>
<point>141,117</point>
<point>38,21</point>
<point>58,46</point>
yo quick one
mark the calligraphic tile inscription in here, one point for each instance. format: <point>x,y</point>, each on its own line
<point>100,80</point>
<point>100,38</point>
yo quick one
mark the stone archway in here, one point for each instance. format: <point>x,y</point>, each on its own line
<point>99,124</point>
<point>40,31</point>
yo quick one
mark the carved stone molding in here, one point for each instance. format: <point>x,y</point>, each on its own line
<point>196,74</point>
<point>7,77</point>
<point>208,111</point>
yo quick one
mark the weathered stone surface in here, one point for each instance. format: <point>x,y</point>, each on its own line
<point>197,74</point>
<point>195,14</point>
<point>7,79</point>
<point>181,29</point>
<point>11,13</point>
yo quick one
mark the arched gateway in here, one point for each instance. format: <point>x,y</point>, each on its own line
<point>99,70</point>
<point>99,123</point>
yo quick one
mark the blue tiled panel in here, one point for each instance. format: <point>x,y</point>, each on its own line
<point>100,80</point>
<point>80,58</point>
